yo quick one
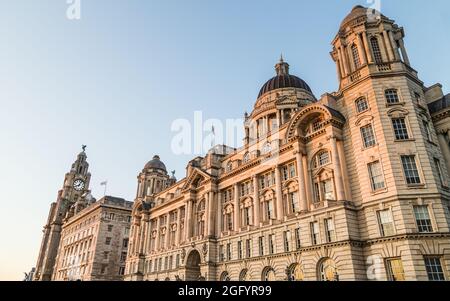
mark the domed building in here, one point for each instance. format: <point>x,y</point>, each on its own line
<point>351,186</point>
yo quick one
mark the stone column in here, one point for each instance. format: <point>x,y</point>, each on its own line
<point>158,232</point>
<point>344,60</point>
<point>394,45</point>
<point>256,203</point>
<point>237,222</point>
<point>187,220</point>
<point>144,235</point>
<point>219,214</point>
<point>279,194</point>
<point>445,149</point>
<point>166,242</point>
<point>361,51</point>
<point>337,170</point>
<point>309,189</point>
<point>341,63</point>
<point>207,214</point>
<point>404,53</point>
<point>301,182</point>
<point>178,234</point>
<point>212,207</point>
<point>368,48</point>
<point>388,46</point>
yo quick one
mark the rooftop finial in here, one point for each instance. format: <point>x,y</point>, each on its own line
<point>281,58</point>
<point>83,147</point>
<point>282,68</point>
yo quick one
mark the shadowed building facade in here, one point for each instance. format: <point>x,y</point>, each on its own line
<point>351,186</point>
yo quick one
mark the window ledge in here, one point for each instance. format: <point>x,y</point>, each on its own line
<point>416,186</point>
<point>405,140</point>
<point>388,105</point>
<point>379,191</point>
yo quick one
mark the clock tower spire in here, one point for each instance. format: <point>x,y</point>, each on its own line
<point>75,187</point>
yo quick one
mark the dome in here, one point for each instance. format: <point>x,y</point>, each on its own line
<point>361,11</point>
<point>283,80</point>
<point>155,163</point>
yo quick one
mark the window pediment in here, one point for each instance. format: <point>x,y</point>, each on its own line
<point>364,120</point>
<point>397,112</point>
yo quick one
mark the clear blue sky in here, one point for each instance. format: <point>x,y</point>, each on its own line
<point>116,79</point>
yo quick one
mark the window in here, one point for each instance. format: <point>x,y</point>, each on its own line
<point>121,271</point>
<point>261,245</point>
<point>271,244</point>
<point>400,129</point>
<point>125,243</point>
<point>417,97</point>
<point>105,255</point>
<point>376,176</point>
<point>229,251</point>
<point>267,148</point>
<point>297,239</point>
<point>246,158</point>
<point>170,262</point>
<point>386,223</point>
<point>376,50</point>
<point>391,96</point>
<point>293,202</point>
<point>368,136</point>
<point>355,55</point>
<point>437,163</point>
<point>108,241</point>
<point>111,216</point>
<point>315,233</point>
<point>229,220</point>
<point>423,219</point>
<point>434,269</point>
<point>361,105</point>
<point>329,230</point>
<point>221,253</point>
<point>247,216</point>
<point>410,170</point>
<point>166,261</point>
<point>328,190</point>
<point>270,213</point>
<point>248,248</point>
<point>177,261</point>
<point>123,256</point>
<point>287,240</point>
<point>239,249</point>
<point>394,268</point>
<point>323,158</point>
<point>110,227</point>
<point>426,127</point>
<point>229,167</point>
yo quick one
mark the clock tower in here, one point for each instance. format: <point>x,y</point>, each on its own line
<point>75,187</point>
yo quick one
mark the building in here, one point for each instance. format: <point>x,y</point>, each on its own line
<point>75,188</point>
<point>30,275</point>
<point>94,242</point>
<point>351,186</point>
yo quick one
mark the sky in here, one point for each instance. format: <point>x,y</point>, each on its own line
<point>117,78</point>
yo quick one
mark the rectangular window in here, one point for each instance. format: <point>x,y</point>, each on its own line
<point>166,263</point>
<point>368,136</point>
<point>125,243</point>
<point>386,223</point>
<point>177,261</point>
<point>110,227</point>
<point>221,254</point>
<point>437,163</point>
<point>434,269</point>
<point>121,271</point>
<point>261,246</point>
<point>315,233</point>
<point>293,201</point>
<point>284,173</point>
<point>248,248</point>
<point>229,251</point>
<point>108,241</point>
<point>105,255</point>
<point>287,240</point>
<point>170,262</point>
<point>400,129</point>
<point>271,244</point>
<point>292,170</point>
<point>391,96</point>
<point>239,249</point>
<point>426,127</point>
<point>270,214</point>
<point>376,176</point>
<point>123,256</point>
<point>410,169</point>
<point>423,219</point>
<point>329,230</point>
<point>297,238</point>
<point>394,268</point>
<point>328,190</point>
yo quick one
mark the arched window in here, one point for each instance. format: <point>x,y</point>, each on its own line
<point>361,105</point>
<point>391,96</point>
<point>225,276</point>
<point>321,159</point>
<point>268,274</point>
<point>229,167</point>
<point>243,275</point>
<point>295,272</point>
<point>376,50</point>
<point>355,55</point>
<point>246,158</point>
<point>327,270</point>
<point>267,148</point>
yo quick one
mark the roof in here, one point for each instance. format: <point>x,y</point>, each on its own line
<point>440,104</point>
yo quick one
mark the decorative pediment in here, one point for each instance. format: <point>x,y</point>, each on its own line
<point>196,178</point>
<point>364,120</point>
<point>398,112</point>
<point>323,172</point>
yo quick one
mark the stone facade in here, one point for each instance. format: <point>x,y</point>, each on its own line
<point>94,242</point>
<point>353,186</point>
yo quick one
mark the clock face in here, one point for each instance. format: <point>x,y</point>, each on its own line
<point>78,185</point>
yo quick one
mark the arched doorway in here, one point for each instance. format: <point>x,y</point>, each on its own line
<point>268,274</point>
<point>193,266</point>
<point>295,272</point>
<point>327,270</point>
